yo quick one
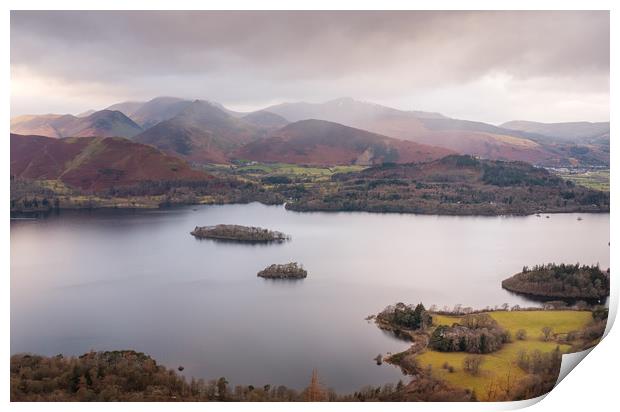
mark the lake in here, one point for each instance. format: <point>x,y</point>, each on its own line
<point>138,280</point>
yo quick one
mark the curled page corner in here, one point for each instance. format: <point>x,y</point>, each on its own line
<point>613,310</point>
<point>526,403</point>
<point>569,361</point>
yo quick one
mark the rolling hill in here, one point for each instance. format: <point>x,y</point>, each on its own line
<point>320,142</point>
<point>104,123</point>
<point>95,163</point>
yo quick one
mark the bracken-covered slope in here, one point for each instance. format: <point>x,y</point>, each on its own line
<point>104,123</point>
<point>319,142</point>
<point>456,184</point>
<point>95,163</point>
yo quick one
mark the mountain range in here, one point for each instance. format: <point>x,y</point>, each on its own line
<point>340,131</point>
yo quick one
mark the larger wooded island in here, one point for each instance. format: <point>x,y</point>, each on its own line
<point>239,233</point>
<point>560,281</point>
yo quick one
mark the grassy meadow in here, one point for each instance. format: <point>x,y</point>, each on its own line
<point>499,368</point>
<point>258,170</point>
<point>592,179</point>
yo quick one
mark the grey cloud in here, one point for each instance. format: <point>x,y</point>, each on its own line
<point>247,58</point>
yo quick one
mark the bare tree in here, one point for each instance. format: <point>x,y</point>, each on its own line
<point>315,392</point>
<point>472,363</point>
<point>547,331</point>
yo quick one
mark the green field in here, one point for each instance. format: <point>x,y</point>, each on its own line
<point>499,368</point>
<point>316,173</point>
<point>592,179</point>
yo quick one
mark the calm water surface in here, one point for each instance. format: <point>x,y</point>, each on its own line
<point>138,280</point>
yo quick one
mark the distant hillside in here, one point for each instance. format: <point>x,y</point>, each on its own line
<point>462,136</point>
<point>344,110</point>
<point>580,143</point>
<point>571,131</point>
<point>263,118</point>
<point>327,143</point>
<point>104,123</point>
<point>87,113</point>
<point>362,115</point>
<point>94,163</point>
<point>128,108</point>
<point>453,185</point>
<point>159,109</point>
<point>43,125</point>
<point>201,132</point>
<point>154,111</point>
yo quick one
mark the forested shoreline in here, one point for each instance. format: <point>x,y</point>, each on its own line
<point>131,376</point>
<point>454,185</point>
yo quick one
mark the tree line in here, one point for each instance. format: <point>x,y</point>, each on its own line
<point>406,316</point>
<point>134,376</point>
<point>475,333</point>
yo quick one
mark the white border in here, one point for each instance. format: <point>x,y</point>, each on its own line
<point>591,386</point>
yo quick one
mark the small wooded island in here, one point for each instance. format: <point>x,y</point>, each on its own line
<point>560,281</point>
<point>239,233</point>
<point>291,270</point>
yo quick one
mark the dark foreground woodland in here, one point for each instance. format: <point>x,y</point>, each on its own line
<point>134,376</point>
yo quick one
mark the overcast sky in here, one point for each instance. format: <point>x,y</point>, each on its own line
<point>488,66</point>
